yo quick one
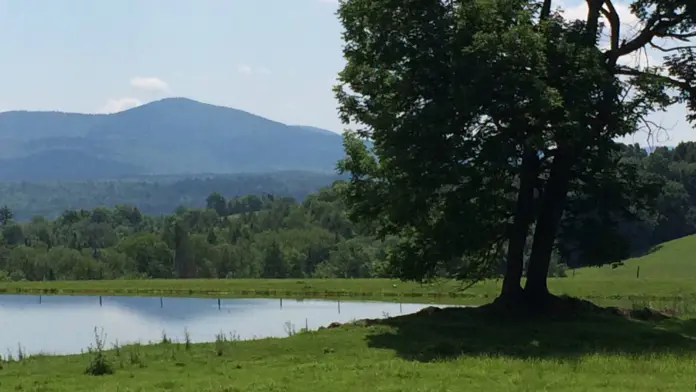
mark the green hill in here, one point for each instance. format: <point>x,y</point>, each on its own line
<point>675,259</point>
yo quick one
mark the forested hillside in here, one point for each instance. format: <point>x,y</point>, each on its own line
<point>170,136</point>
<point>152,195</point>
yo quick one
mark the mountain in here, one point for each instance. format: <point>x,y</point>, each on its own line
<point>172,136</point>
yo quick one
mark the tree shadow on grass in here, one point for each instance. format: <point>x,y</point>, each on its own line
<point>439,334</point>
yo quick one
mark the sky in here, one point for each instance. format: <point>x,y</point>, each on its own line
<point>274,58</point>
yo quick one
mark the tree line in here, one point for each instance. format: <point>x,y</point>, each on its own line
<point>153,194</point>
<point>271,236</point>
<point>253,236</point>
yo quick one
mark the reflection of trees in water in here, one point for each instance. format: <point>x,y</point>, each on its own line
<point>163,308</point>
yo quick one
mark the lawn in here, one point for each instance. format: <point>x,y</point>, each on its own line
<point>446,350</point>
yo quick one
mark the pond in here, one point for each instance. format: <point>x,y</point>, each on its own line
<point>66,324</point>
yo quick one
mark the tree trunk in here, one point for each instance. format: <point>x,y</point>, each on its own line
<point>518,230</point>
<point>548,221</point>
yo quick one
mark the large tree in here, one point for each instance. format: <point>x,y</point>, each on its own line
<point>488,120</point>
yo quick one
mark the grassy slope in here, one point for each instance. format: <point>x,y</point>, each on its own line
<point>673,260</point>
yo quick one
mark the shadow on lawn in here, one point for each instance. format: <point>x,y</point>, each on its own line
<point>436,334</point>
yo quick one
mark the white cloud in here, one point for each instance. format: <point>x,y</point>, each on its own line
<point>250,70</point>
<point>244,69</point>
<point>149,83</point>
<point>120,104</point>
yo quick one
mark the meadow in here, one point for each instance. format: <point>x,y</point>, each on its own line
<point>434,350</point>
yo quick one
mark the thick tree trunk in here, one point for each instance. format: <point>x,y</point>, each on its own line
<point>518,230</point>
<point>548,221</point>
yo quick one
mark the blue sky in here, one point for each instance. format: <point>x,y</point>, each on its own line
<point>275,58</point>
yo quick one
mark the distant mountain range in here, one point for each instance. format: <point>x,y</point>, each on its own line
<point>172,136</point>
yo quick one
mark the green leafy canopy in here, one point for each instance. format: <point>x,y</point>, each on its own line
<point>459,98</point>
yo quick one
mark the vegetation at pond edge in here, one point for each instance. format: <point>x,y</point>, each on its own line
<point>445,350</point>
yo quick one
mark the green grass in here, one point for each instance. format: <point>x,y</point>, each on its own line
<point>367,289</point>
<point>673,260</point>
<point>600,287</point>
<point>448,350</point>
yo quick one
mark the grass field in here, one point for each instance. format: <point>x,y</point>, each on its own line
<point>448,350</point>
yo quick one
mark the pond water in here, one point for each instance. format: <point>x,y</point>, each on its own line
<point>66,324</point>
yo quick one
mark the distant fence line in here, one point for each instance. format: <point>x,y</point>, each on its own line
<point>304,294</point>
<point>245,293</point>
<point>219,302</point>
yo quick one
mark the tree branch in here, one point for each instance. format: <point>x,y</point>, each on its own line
<point>666,79</point>
<point>615,23</point>
<point>545,10</point>
<point>594,8</point>
<point>660,48</point>
<point>653,28</point>
<point>681,37</point>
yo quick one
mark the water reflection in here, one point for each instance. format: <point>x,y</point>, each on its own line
<point>65,324</point>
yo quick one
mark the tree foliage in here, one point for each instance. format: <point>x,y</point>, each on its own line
<point>242,237</point>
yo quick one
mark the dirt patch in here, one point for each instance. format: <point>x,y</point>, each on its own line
<point>645,314</point>
<point>557,308</point>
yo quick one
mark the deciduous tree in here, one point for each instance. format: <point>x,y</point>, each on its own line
<point>488,118</point>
